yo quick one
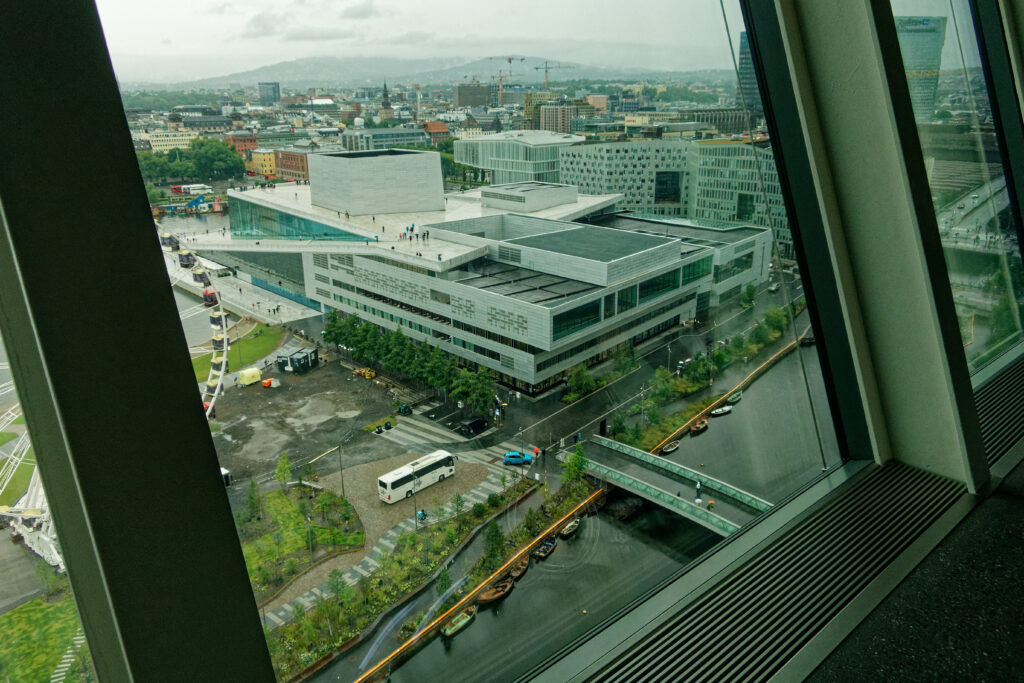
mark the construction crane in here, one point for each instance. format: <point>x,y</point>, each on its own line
<point>501,80</point>
<point>548,67</point>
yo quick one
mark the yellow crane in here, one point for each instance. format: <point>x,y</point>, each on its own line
<point>549,67</point>
<point>501,81</point>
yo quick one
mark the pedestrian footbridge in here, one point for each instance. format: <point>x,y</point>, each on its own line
<point>723,508</point>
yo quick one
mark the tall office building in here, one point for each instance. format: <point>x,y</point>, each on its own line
<point>747,92</point>
<point>557,116</point>
<point>471,95</point>
<point>921,40</point>
<point>270,93</point>
<point>649,174</point>
<point>737,181</point>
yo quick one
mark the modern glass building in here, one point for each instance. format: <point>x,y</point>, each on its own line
<point>921,41</point>
<point>748,95</point>
<point>516,156</point>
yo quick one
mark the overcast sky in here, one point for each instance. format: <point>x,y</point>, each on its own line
<point>193,39</point>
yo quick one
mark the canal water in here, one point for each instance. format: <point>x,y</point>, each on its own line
<point>606,565</point>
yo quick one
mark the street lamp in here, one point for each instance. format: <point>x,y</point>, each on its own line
<point>341,464</point>
<point>416,509</point>
<point>309,537</point>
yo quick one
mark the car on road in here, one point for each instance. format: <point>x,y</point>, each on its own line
<point>473,427</point>
<point>517,458</point>
<point>807,340</point>
<point>774,287</point>
<point>960,206</point>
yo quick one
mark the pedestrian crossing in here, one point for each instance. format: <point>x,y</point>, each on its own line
<point>414,432</point>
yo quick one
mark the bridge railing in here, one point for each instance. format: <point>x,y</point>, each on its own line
<point>720,487</point>
<point>688,509</point>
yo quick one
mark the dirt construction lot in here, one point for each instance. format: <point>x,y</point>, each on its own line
<point>303,417</point>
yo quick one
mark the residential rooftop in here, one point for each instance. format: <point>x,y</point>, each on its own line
<point>694,232</point>
<point>534,138</point>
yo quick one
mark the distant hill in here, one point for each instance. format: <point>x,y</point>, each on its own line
<point>357,71</point>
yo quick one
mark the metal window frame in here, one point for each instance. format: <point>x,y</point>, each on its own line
<point>100,362</point>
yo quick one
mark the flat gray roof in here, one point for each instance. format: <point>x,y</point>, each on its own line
<point>680,229</point>
<point>592,243</point>
<point>524,284</point>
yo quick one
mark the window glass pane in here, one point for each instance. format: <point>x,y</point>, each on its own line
<point>962,157</point>
<point>43,637</point>
<point>372,306</point>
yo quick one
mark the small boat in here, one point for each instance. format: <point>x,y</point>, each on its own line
<point>719,412</point>
<point>545,549</point>
<point>570,528</point>
<point>669,447</point>
<point>699,426</point>
<point>498,591</point>
<point>520,567</point>
<point>734,398</point>
<point>459,622</point>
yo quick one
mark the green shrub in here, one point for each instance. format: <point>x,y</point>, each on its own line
<point>493,500</point>
<point>479,510</point>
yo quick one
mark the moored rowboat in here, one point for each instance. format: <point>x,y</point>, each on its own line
<point>459,622</point>
<point>497,591</point>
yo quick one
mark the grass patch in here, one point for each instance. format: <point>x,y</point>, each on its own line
<point>17,486</point>
<point>36,635</point>
<point>249,349</point>
<point>7,436</point>
<point>373,425</point>
<point>214,427</point>
<point>20,420</point>
<point>270,544</point>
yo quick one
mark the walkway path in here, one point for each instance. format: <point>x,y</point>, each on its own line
<point>417,433</point>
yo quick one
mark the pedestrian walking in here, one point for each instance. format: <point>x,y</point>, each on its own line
<point>698,489</point>
<point>698,501</point>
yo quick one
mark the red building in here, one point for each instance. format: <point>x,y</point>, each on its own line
<point>242,142</point>
<point>291,164</point>
<point>437,130</point>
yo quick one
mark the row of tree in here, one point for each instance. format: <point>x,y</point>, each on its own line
<point>394,352</point>
<point>204,159</point>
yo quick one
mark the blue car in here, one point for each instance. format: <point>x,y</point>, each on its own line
<point>517,458</point>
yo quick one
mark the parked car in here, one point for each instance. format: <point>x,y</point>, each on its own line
<point>774,287</point>
<point>473,427</point>
<point>517,458</point>
<point>807,340</point>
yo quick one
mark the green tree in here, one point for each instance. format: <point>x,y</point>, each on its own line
<point>479,510</point>
<point>532,521</point>
<point>619,424</point>
<point>447,146</point>
<point>324,503</point>
<point>153,166</point>
<point>494,543</point>
<point>653,414</point>
<point>154,195</point>
<point>580,380</point>
<point>253,502</point>
<point>214,159</point>
<point>475,389</point>
<point>443,582</point>
<point>636,433</point>
<point>760,334</point>
<point>720,358</point>
<point>775,318</point>
<point>749,294</point>
<point>283,471</point>
<point>493,500</point>
<point>451,536</point>
<point>336,583</point>
<point>737,343</point>
<point>625,359</point>
<point>458,504</point>
<point>342,331</point>
<point>575,466</point>
<point>663,385</point>
<point>308,472</point>
<point>278,540</point>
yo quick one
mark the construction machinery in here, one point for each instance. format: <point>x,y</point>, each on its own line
<point>549,67</point>
<point>501,78</point>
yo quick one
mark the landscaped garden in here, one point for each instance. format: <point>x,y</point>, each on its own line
<point>415,558</point>
<point>283,532</point>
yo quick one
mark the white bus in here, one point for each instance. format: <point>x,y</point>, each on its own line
<point>419,474</point>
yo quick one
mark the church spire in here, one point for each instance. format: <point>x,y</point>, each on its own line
<point>385,103</point>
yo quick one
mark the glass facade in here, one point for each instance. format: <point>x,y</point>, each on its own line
<point>968,184</point>
<point>564,324</point>
<point>252,221</point>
